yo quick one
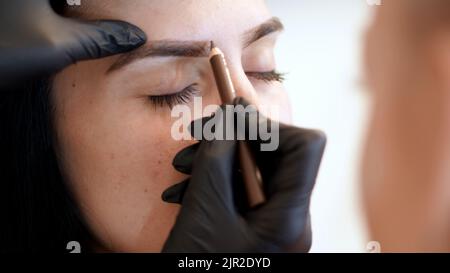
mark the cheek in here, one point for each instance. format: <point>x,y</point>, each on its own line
<point>117,156</point>
<point>274,101</point>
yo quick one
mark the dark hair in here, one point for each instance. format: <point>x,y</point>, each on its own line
<point>38,211</point>
<point>37,208</point>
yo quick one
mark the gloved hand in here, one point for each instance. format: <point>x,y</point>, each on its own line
<point>213,217</point>
<point>34,40</point>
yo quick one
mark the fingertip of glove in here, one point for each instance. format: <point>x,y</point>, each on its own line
<point>137,36</point>
<point>175,193</point>
<point>199,123</point>
<point>318,137</point>
<point>241,101</point>
<point>168,196</point>
<point>122,34</point>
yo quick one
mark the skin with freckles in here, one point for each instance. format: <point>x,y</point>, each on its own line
<point>114,142</point>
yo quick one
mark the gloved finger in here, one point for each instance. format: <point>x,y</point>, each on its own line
<point>304,241</point>
<point>184,159</point>
<point>289,186</point>
<point>297,160</point>
<point>97,39</point>
<point>285,219</point>
<point>289,173</point>
<point>298,152</point>
<point>211,184</point>
<point>175,193</point>
<point>72,42</point>
<point>206,125</point>
<point>249,123</point>
<point>196,127</point>
<point>220,125</point>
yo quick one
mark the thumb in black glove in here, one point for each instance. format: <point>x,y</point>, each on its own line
<point>34,40</point>
<point>212,217</point>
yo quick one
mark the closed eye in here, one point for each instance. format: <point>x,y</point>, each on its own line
<point>182,97</point>
<point>186,95</point>
<point>268,77</point>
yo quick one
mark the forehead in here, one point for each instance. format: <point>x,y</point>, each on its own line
<point>184,19</point>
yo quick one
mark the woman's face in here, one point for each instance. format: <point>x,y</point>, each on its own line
<point>114,134</point>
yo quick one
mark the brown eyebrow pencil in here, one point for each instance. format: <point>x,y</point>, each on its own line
<point>250,172</point>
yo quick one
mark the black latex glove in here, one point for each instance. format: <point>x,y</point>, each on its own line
<point>212,217</point>
<point>34,40</point>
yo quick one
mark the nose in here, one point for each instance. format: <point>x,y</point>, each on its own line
<point>242,85</point>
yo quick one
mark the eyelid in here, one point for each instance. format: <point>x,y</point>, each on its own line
<point>258,58</point>
<point>271,39</point>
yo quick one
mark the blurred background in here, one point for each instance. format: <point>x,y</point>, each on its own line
<point>321,50</point>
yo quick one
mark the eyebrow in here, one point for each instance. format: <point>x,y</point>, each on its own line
<point>173,48</point>
<point>163,48</point>
<point>272,25</point>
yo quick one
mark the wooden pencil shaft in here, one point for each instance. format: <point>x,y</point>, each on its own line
<point>250,172</point>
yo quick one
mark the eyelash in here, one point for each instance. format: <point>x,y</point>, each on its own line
<point>268,77</point>
<point>186,95</point>
<point>171,100</point>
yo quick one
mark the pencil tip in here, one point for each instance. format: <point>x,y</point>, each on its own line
<point>212,45</point>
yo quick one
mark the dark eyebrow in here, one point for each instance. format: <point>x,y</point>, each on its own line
<point>163,48</point>
<point>272,25</point>
<point>167,48</point>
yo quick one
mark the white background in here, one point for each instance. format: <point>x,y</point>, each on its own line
<point>321,50</point>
